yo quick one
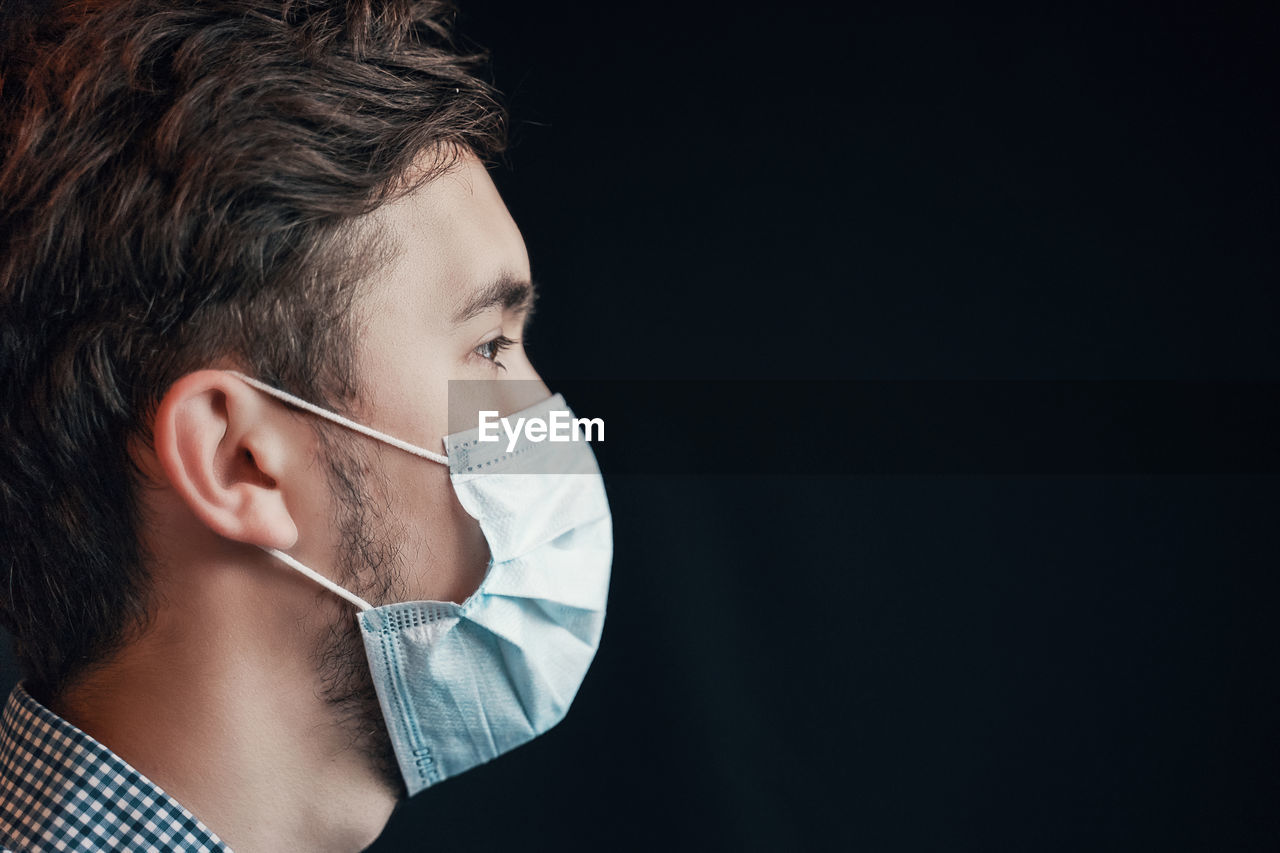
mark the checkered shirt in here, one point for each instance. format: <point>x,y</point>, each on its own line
<point>62,790</point>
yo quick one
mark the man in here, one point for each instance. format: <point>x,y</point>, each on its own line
<point>249,245</point>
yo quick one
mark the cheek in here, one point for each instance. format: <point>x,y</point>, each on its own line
<point>445,551</point>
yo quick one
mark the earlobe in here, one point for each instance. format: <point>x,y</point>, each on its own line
<point>221,448</point>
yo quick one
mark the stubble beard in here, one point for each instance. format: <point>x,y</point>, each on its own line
<point>369,564</point>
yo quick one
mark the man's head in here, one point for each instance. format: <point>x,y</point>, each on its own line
<point>237,472</point>
<point>294,190</point>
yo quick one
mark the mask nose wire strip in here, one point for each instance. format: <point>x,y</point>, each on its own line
<point>320,579</point>
<point>340,420</point>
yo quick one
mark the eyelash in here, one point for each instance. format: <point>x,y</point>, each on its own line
<point>495,346</point>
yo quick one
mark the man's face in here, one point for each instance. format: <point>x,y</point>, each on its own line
<point>451,306</point>
<point>445,308</point>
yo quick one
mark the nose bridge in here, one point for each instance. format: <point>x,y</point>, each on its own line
<point>515,393</point>
<point>470,399</point>
<point>522,370</point>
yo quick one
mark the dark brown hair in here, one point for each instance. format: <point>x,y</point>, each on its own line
<point>181,184</point>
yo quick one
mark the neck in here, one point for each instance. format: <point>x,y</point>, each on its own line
<point>230,724</point>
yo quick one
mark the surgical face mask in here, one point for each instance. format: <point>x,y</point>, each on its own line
<point>460,684</point>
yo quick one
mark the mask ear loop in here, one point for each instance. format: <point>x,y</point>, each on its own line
<point>320,579</point>
<point>286,397</point>
<point>340,420</point>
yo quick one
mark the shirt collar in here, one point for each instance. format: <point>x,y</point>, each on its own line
<point>61,789</point>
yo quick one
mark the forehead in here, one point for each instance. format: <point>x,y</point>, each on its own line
<point>447,239</point>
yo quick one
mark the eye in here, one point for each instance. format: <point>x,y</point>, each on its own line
<point>492,348</point>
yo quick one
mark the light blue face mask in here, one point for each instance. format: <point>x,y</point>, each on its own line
<point>460,684</point>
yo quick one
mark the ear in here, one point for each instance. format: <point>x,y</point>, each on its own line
<point>225,450</point>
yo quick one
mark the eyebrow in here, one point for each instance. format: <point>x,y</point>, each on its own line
<point>507,291</point>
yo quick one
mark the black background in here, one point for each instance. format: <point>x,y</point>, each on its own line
<point>924,661</point>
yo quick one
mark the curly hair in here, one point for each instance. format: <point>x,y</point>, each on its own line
<point>181,185</point>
